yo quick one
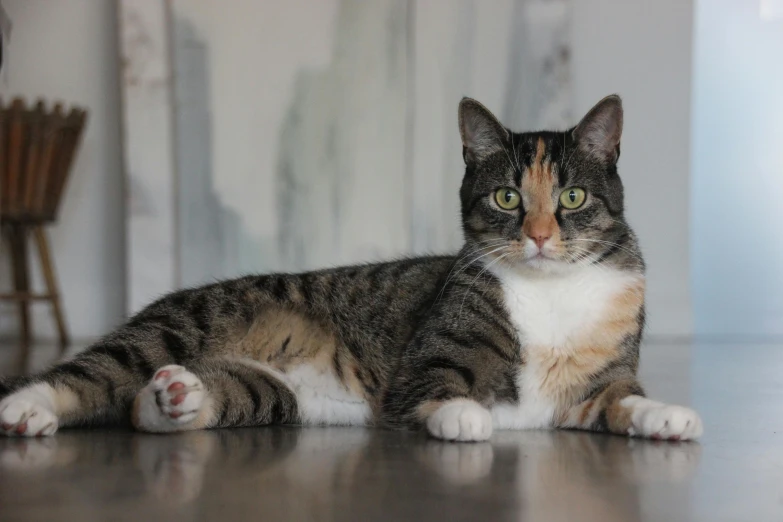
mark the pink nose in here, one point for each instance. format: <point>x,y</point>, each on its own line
<point>540,240</point>
<point>539,237</point>
<point>539,228</point>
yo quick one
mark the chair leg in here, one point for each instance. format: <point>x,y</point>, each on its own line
<point>17,235</point>
<point>42,240</point>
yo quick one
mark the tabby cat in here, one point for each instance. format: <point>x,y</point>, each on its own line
<point>535,323</point>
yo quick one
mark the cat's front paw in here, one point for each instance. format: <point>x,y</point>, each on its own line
<point>656,420</point>
<point>462,420</point>
<point>171,401</point>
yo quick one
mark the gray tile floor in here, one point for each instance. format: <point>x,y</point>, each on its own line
<point>735,473</point>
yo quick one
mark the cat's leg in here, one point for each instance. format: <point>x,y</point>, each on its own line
<point>440,395</point>
<point>462,419</point>
<point>621,408</point>
<point>94,388</point>
<point>213,393</point>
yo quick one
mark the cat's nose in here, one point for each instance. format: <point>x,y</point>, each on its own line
<point>539,232</point>
<point>540,239</point>
<point>539,228</point>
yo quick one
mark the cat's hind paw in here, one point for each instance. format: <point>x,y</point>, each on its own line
<point>174,400</point>
<point>656,420</point>
<point>28,413</point>
<point>461,420</point>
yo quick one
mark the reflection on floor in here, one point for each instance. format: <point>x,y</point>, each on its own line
<point>735,473</point>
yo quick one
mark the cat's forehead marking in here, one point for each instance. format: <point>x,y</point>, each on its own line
<point>538,181</point>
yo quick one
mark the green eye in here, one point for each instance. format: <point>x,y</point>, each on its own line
<point>507,199</point>
<point>572,198</point>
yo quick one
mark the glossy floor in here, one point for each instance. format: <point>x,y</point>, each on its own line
<point>735,473</point>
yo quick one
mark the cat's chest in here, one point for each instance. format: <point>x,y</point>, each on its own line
<point>555,311</point>
<point>556,318</point>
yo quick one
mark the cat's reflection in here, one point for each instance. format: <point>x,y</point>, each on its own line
<point>572,475</point>
<point>174,467</point>
<point>24,454</point>
<point>336,474</point>
<point>458,463</point>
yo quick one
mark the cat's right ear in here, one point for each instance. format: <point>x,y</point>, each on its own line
<point>482,134</point>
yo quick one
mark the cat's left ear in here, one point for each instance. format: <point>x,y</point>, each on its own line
<point>599,132</point>
<point>482,134</point>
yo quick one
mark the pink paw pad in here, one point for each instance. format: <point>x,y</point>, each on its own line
<point>176,386</point>
<point>178,396</point>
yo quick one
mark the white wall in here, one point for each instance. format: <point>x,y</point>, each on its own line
<point>66,50</point>
<point>737,170</point>
<point>641,49</point>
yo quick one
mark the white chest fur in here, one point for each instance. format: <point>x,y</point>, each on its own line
<point>550,313</point>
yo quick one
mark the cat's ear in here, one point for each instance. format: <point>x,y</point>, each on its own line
<point>599,132</point>
<point>482,133</point>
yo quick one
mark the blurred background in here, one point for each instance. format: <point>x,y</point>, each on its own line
<point>239,136</point>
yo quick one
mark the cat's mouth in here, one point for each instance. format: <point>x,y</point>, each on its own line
<point>544,253</point>
<point>527,254</point>
<point>541,258</point>
<point>546,257</point>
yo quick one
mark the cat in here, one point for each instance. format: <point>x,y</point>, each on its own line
<point>535,323</point>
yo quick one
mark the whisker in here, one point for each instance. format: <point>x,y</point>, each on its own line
<point>459,315</point>
<point>612,244</point>
<point>465,267</point>
<point>516,156</point>
<point>510,163</point>
<point>583,257</point>
<point>490,244</point>
<point>569,158</point>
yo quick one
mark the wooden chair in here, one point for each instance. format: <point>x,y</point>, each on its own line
<point>36,152</point>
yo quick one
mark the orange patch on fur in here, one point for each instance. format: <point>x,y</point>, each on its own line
<point>537,186</point>
<point>585,411</point>
<point>567,374</point>
<point>285,339</point>
<point>569,370</point>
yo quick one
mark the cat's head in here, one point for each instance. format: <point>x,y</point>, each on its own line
<point>545,200</point>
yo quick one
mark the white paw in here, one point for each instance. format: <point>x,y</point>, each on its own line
<point>462,420</point>
<point>28,413</point>
<point>662,421</point>
<point>172,399</point>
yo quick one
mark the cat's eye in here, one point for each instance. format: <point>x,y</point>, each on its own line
<point>572,198</point>
<point>507,198</point>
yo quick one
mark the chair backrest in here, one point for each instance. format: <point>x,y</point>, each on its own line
<point>37,148</point>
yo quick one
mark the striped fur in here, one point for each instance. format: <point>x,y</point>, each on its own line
<point>536,322</point>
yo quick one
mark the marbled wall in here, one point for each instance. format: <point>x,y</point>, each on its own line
<point>307,134</point>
